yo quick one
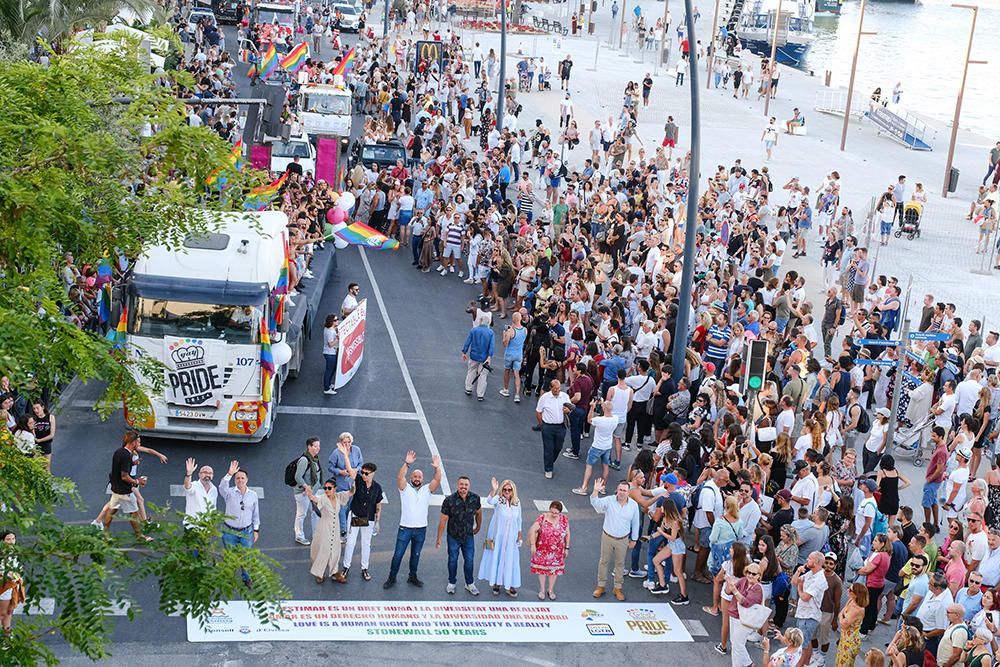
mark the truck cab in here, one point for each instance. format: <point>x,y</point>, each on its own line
<point>325,110</point>
<point>273,22</point>
<point>284,152</point>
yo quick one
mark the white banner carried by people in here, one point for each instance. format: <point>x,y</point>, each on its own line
<point>195,373</point>
<point>351,332</point>
<point>559,622</point>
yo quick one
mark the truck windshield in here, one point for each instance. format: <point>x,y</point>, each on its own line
<point>156,318</point>
<point>336,105</point>
<point>289,149</point>
<point>382,154</point>
<point>271,16</point>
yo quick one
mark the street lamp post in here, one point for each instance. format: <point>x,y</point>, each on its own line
<point>502,94</point>
<point>854,70</point>
<point>663,35</point>
<point>774,54</point>
<point>710,60</point>
<point>687,271</point>
<point>961,92</point>
<point>385,20</point>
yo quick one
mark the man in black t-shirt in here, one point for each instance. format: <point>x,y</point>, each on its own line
<point>122,484</point>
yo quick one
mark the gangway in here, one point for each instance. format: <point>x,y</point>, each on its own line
<point>891,120</point>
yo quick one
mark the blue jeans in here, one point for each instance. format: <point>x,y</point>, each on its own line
<point>576,421</point>
<point>243,538</point>
<point>407,537</point>
<point>553,436</point>
<point>416,244</point>
<point>344,511</point>
<point>656,543</point>
<point>330,371</point>
<point>468,548</point>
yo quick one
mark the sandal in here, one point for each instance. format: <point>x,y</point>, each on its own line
<point>319,580</point>
<point>710,611</point>
<point>552,596</point>
<point>541,595</point>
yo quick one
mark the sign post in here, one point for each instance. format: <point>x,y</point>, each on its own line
<point>351,332</point>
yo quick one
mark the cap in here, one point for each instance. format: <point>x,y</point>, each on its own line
<point>870,484</point>
<point>670,478</point>
<point>799,465</point>
<point>883,412</point>
<point>829,555</point>
<point>783,493</point>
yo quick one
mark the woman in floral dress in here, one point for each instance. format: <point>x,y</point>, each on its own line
<point>850,619</point>
<point>549,540</point>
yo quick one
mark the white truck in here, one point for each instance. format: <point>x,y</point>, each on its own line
<point>201,311</point>
<point>284,152</point>
<point>325,111</point>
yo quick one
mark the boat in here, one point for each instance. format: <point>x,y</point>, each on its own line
<point>795,29</point>
<point>828,7</point>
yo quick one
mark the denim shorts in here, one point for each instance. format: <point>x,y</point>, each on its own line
<point>595,455</point>
<point>808,627</point>
<point>677,547</point>
<point>512,363</point>
<point>705,537</point>
<point>886,228</point>
<point>930,496</point>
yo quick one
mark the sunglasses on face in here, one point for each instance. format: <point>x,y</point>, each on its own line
<point>329,488</point>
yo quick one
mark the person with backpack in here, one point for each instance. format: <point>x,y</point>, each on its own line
<point>856,419</point>
<point>305,470</point>
<point>868,521</point>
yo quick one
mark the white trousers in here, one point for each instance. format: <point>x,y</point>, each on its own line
<point>738,636</point>
<point>302,508</point>
<point>366,544</point>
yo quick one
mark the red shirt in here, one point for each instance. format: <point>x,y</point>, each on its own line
<point>752,594</point>
<point>938,458</point>
<point>585,385</point>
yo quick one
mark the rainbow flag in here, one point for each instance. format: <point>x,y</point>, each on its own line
<point>346,63</point>
<point>296,58</point>
<point>104,304</point>
<point>252,72</point>
<point>724,233</point>
<point>118,334</point>
<point>361,234</point>
<point>233,161</point>
<point>269,62</point>
<point>266,366</point>
<point>281,287</point>
<point>263,195</point>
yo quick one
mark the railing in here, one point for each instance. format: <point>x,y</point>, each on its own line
<point>835,101</point>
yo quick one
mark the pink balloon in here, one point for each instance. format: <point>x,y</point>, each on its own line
<point>329,216</point>
<point>337,215</point>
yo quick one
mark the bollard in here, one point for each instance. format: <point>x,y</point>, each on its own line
<point>827,78</point>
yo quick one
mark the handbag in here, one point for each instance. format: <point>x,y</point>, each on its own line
<point>767,434</point>
<point>489,544</point>
<point>359,521</point>
<point>754,616</point>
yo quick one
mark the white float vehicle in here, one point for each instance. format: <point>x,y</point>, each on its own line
<point>284,152</point>
<point>199,310</point>
<point>325,111</point>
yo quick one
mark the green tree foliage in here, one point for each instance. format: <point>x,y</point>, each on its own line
<point>82,173</point>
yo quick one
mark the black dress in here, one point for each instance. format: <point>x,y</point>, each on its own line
<point>888,503</point>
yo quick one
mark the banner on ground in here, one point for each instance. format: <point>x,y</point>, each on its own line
<point>352,344</point>
<point>558,622</point>
<point>195,372</point>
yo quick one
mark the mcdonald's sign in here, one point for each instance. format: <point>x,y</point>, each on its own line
<point>429,51</point>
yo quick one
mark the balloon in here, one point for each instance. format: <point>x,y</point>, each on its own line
<point>281,352</point>
<point>340,243</point>
<point>346,201</point>
<point>334,196</point>
<point>337,215</point>
<point>329,216</point>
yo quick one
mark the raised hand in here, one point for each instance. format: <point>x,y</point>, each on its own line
<point>190,466</point>
<point>599,485</point>
<point>494,484</point>
<point>411,456</point>
<point>436,461</point>
<point>234,465</point>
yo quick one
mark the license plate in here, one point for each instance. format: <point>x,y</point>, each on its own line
<point>192,414</point>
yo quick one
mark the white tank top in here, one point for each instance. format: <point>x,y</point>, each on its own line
<point>619,402</point>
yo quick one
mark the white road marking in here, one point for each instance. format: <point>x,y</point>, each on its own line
<point>694,628</point>
<point>347,412</point>
<point>177,490</point>
<point>119,608</point>
<point>417,406</point>
<point>45,607</point>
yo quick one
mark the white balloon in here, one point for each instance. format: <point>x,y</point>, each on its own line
<point>340,243</point>
<point>346,201</point>
<point>281,352</point>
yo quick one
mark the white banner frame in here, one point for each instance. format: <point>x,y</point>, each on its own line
<point>351,332</point>
<point>502,622</point>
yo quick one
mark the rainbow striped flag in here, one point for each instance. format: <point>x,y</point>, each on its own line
<point>361,234</point>
<point>269,62</point>
<point>346,63</point>
<point>281,287</point>
<point>118,334</point>
<point>261,196</point>
<point>233,161</point>
<point>266,366</point>
<point>296,58</point>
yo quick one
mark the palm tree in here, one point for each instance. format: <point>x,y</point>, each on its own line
<point>24,21</point>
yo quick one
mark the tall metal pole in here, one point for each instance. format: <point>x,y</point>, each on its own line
<point>897,386</point>
<point>958,102</point>
<point>503,63</point>
<point>385,20</point>
<point>621,27</point>
<point>663,35</point>
<point>687,271</point>
<point>774,54</point>
<point>854,71</point>
<point>710,60</point>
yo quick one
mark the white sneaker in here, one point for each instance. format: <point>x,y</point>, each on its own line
<point>517,398</point>
<point>459,274</point>
<point>97,524</point>
<point>450,589</point>
<point>673,579</point>
<point>294,292</point>
<point>451,269</point>
<point>440,268</point>
<point>468,281</point>
<point>308,274</point>
<point>331,391</point>
<point>548,475</point>
<point>472,589</point>
<point>504,392</point>
<point>648,585</point>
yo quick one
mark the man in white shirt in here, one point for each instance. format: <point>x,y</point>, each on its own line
<point>550,411</point>
<point>604,426</point>
<point>200,496</point>
<point>805,489</point>
<point>350,302</point>
<point>977,545</point>
<point>785,421</point>
<point>645,341</point>
<point>956,484</point>
<point>945,407</point>
<point>864,516</point>
<point>967,391</point>
<point>749,513</point>
<point>933,611</point>
<point>810,582</point>
<point>414,501</point>
<point>990,565</point>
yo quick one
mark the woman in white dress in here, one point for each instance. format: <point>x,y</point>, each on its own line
<point>325,548</point>
<point>501,564</point>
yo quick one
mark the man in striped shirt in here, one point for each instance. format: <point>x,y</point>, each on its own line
<point>717,343</point>
<point>453,230</point>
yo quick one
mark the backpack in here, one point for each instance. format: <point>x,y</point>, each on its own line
<point>290,471</point>
<point>864,420</point>
<point>880,524</point>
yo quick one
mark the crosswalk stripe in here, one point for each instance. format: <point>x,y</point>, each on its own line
<point>695,628</point>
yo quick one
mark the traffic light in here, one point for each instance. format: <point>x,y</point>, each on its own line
<point>756,366</point>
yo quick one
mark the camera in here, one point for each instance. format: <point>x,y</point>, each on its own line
<point>487,367</point>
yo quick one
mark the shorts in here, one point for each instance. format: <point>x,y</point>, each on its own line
<point>594,455</point>
<point>126,503</point>
<point>930,495</point>
<point>452,250</point>
<point>606,145</point>
<point>885,227</point>
<point>677,547</point>
<point>808,626</point>
<point>768,145</point>
<point>858,294</point>
<point>672,143</point>
<point>46,447</point>
<point>825,626</point>
<point>405,217</point>
<point>705,537</point>
<point>8,594</point>
<point>554,182</point>
<point>620,430</point>
<point>512,363</point>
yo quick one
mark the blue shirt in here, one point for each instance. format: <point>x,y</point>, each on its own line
<point>719,351</point>
<point>336,464</point>
<point>619,521</point>
<point>424,198</point>
<point>972,603</point>
<point>479,343</point>
<point>611,366</point>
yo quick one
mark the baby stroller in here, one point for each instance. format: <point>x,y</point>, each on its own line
<point>906,441</point>
<point>912,212</point>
